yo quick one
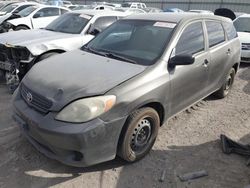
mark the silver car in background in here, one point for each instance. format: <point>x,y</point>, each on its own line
<point>20,50</point>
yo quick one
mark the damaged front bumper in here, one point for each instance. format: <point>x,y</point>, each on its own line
<point>14,62</point>
<point>73,144</point>
<point>6,66</point>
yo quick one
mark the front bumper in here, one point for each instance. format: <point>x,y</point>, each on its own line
<point>245,56</point>
<point>78,145</point>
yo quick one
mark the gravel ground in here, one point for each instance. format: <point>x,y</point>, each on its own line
<point>189,142</point>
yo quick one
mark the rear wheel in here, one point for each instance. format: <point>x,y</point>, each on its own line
<point>227,85</point>
<point>139,135</point>
<point>21,27</point>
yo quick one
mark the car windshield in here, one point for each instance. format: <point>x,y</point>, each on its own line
<point>9,8</point>
<point>27,11</point>
<point>242,25</point>
<point>135,41</point>
<point>83,7</point>
<point>125,5</point>
<point>69,23</point>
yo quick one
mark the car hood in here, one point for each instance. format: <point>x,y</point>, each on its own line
<point>77,74</point>
<point>244,37</point>
<point>37,41</point>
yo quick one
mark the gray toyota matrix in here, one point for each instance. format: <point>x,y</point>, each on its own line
<point>111,96</point>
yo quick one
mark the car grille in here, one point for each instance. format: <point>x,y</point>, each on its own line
<point>245,46</point>
<point>245,59</point>
<point>38,102</point>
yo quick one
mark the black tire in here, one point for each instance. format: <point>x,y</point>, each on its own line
<point>139,134</point>
<point>46,55</point>
<point>227,85</point>
<point>21,27</point>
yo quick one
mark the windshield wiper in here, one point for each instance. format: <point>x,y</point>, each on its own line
<point>49,29</point>
<point>116,56</point>
<point>108,54</point>
<point>91,50</point>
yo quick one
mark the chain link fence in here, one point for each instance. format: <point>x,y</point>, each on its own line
<point>235,5</point>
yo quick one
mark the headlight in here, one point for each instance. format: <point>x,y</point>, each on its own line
<point>86,109</point>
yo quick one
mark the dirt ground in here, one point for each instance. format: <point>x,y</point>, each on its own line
<point>189,142</point>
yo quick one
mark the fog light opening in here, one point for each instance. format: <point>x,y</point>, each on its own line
<point>78,156</point>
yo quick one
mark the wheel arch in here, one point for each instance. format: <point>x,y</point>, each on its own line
<point>59,51</point>
<point>21,25</point>
<point>157,106</point>
<point>236,67</point>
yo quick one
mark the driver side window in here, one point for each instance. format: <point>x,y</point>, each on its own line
<point>47,12</point>
<point>191,40</point>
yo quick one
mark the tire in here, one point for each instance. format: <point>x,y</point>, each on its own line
<point>21,27</point>
<point>227,85</point>
<point>139,134</point>
<point>46,55</point>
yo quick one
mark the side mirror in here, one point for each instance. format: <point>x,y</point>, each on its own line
<point>94,31</point>
<point>183,59</point>
<point>38,15</point>
<point>15,12</point>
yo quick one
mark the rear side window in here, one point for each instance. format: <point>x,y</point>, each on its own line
<point>103,22</point>
<point>215,33</point>
<point>47,12</point>
<point>191,40</point>
<point>230,30</point>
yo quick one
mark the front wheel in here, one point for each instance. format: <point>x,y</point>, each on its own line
<point>227,85</point>
<point>139,135</point>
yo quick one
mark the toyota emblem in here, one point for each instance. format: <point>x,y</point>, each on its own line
<point>29,97</point>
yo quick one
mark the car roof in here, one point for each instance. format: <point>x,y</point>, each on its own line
<point>99,12</point>
<point>244,16</point>
<point>199,10</point>
<point>26,3</point>
<point>173,17</point>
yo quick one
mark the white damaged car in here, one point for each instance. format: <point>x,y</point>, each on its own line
<point>20,50</point>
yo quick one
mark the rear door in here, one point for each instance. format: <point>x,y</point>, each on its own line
<point>189,82</point>
<point>220,52</point>
<point>44,16</point>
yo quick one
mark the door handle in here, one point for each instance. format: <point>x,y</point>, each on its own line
<point>206,62</point>
<point>228,51</point>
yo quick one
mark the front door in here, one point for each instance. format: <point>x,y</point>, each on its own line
<point>44,16</point>
<point>189,82</point>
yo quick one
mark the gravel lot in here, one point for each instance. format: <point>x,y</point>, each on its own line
<point>188,143</point>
